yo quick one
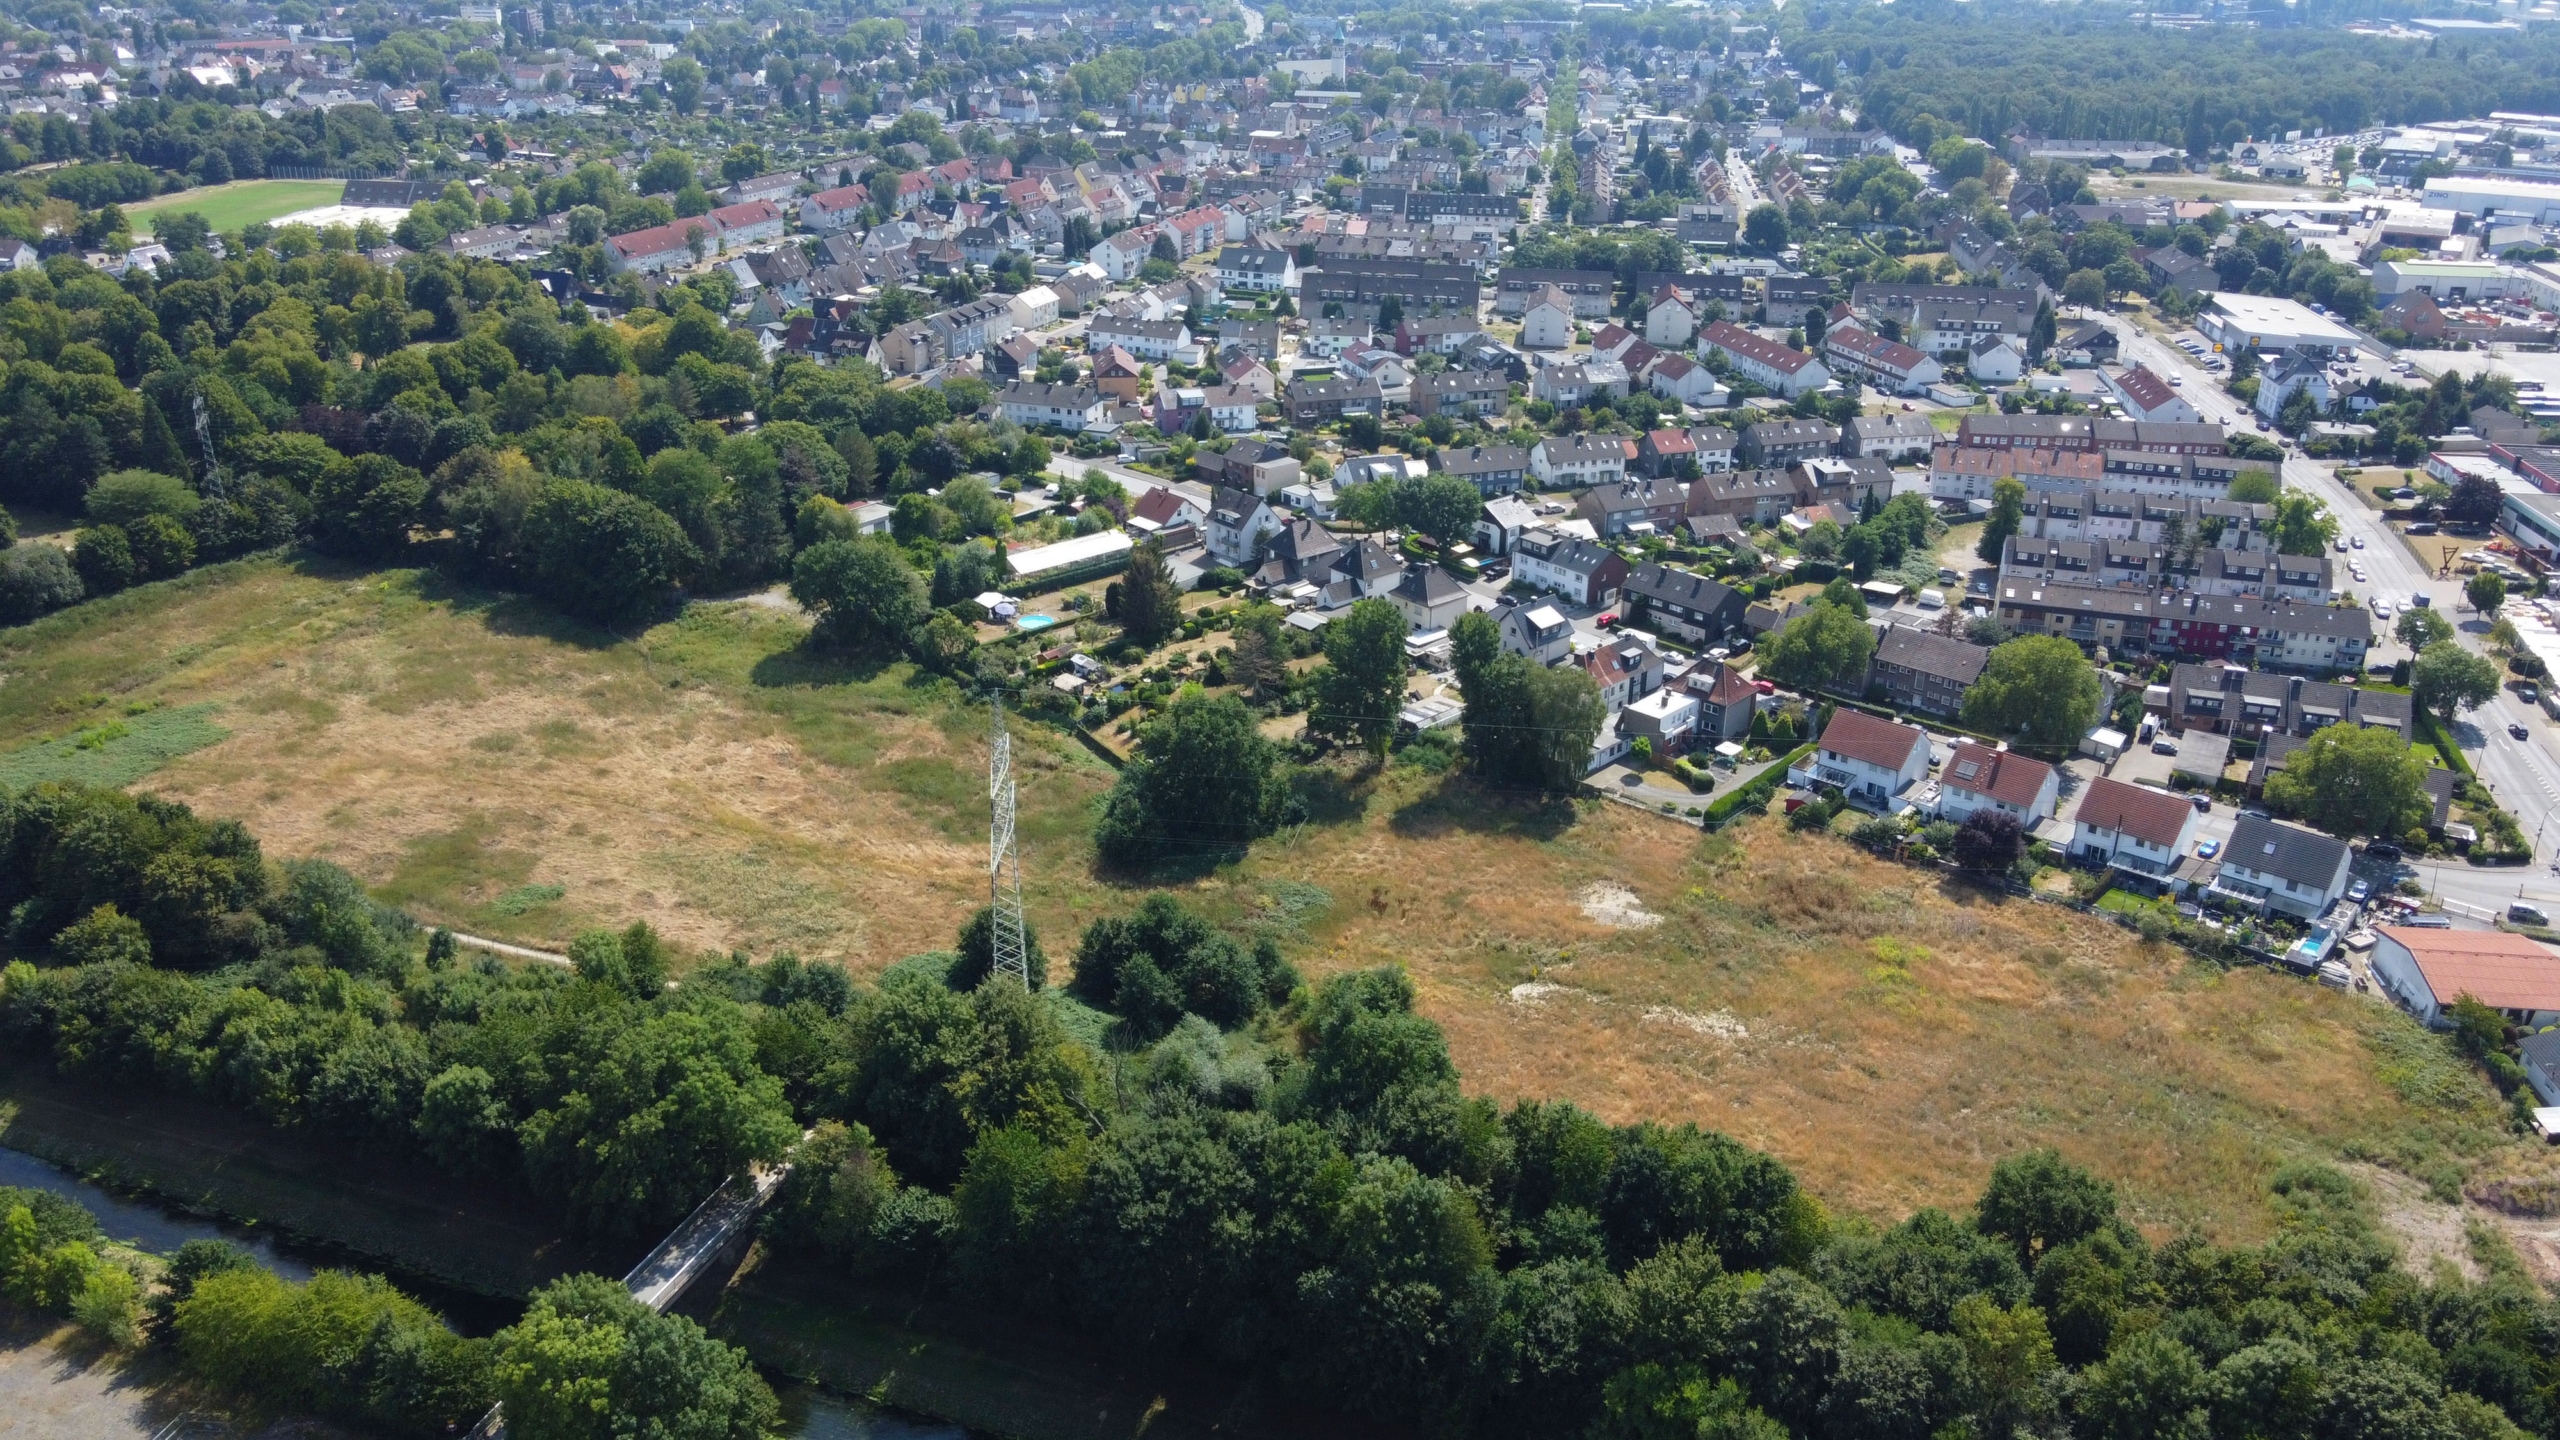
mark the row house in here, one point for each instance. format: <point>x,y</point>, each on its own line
<point>1072,408</point>
<point>2236,700</point>
<point>1972,473</point>
<point>1145,339</point>
<point>1460,392</point>
<point>1947,325</point>
<point>1634,505</point>
<point>1257,270</point>
<point>1891,436</point>
<point>1773,443</point>
<point>1570,462</point>
<point>1888,365</point>
<point>2100,514</point>
<point>1690,606</point>
<point>1320,402</point>
<point>2270,634</point>
<point>1779,369</point>
<point>2203,477</point>
<point>2081,432</point>
<point>1590,291</point>
<point>1567,386</point>
<point>1492,469</point>
<point>1920,669</point>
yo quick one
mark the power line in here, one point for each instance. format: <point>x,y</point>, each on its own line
<point>1004,860</point>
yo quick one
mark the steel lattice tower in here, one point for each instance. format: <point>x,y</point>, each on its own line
<point>1004,860</point>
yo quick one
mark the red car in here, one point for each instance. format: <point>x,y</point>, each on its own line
<point>1765,687</point>
<point>1607,622</point>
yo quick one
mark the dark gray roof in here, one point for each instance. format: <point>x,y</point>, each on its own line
<point>1481,459</point>
<point>1930,653</point>
<point>2285,851</point>
<point>1666,585</point>
<point>1428,585</point>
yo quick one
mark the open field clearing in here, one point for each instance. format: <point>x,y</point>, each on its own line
<point>489,766</point>
<point>242,202</point>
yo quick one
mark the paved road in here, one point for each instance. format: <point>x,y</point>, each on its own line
<point>2524,775</point>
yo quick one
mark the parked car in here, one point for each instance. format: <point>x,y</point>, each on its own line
<point>2527,915</point>
<point>2382,850</point>
<point>2360,892</point>
<point>2203,802</point>
<point>2529,693</point>
<point>2207,849</point>
<point>2164,747</point>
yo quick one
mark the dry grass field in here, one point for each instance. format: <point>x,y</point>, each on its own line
<point>487,767</point>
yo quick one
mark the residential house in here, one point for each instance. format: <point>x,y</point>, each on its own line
<point>1165,511</point>
<point>1774,367</point>
<point>1641,505</point>
<point>1726,702</point>
<point>1979,777</point>
<point>833,210</point>
<point>1566,462</point>
<point>1319,402</point>
<point>1923,670</point>
<point>1889,365</point>
<point>1460,392</point>
<point>2297,373</point>
<point>2427,970</point>
<point>1666,720</point>
<point>1302,552</point>
<point>1547,323</point>
<point>1580,571</point>
<point>1255,465</point>
<point>1537,631</point>
<point>1502,521</point>
<point>1117,373</point>
<point>1568,386</point>
<point>1435,334</point>
<point>1773,443</point>
<point>1996,359</point>
<point>1429,598</point>
<point>1626,670</point>
<point>1875,764</point>
<point>1122,256</point>
<point>2236,700</point>
<point>1146,339</point>
<point>2135,830</point>
<point>1492,469</point>
<point>1897,435</point>
<point>1589,292</point>
<point>1677,377</point>
<point>1238,520</point>
<point>1666,452</point>
<point>1072,408</point>
<point>1693,607</point>
<point>1671,319</point>
<point>2269,865</point>
<point>2146,396</point>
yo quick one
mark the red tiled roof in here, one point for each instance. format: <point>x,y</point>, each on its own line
<point>2008,778</point>
<point>2144,390</point>
<point>1861,736</point>
<point>2501,970</point>
<point>2155,816</point>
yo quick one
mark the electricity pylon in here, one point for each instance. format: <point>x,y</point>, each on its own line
<point>1004,860</point>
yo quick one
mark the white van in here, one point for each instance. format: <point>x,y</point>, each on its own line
<point>1932,600</point>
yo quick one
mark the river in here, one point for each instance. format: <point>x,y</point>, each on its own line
<point>808,1412</point>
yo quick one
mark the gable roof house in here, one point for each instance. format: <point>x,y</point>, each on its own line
<point>1773,443</point>
<point>1874,764</point>
<point>1566,462</point>
<point>1315,402</point>
<point>2146,396</point>
<point>1692,607</point>
<point>1626,669</point>
<point>1257,270</point>
<point>2135,830</point>
<point>1237,522</point>
<point>1726,702</point>
<point>1459,392</point>
<point>1619,507</point>
<point>1536,630</point>
<point>1677,377</point>
<point>1923,670</point>
<point>1492,469</point>
<point>2273,866</point>
<point>1300,552</point>
<point>1894,436</point>
<point>1978,777</point>
<point>1773,367</point>
<point>1565,386</point>
<point>1889,365</point>
<point>2427,970</point>
<point>1575,568</point>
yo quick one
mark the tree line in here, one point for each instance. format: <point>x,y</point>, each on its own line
<point>1281,1179</point>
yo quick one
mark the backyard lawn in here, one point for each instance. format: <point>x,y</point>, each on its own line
<point>242,202</point>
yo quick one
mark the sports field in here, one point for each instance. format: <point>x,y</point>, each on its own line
<point>242,202</point>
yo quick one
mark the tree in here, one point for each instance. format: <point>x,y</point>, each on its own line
<point>1260,664</point>
<point>587,1361</point>
<point>104,557</point>
<point>2353,780</point>
<point>977,951</point>
<point>1150,603</point>
<point>1827,647</point>
<point>2303,526</point>
<point>364,507</point>
<point>866,596</point>
<point>2042,331</point>
<point>160,449</point>
<point>2038,1200</point>
<point>2475,501</point>
<point>1204,782</point>
<point>2421,626</point>
<point>2008,512</point>
<point>1527,724</point>
<point>2252,487</point>
<point>1362,685</point>
<point>1442,506</point>
<point>1765,228</point>
<point>1988,841</point>
<point>2486,590</point>
<point>2086,289</point>
<point>2448,680</point>
<point>601,553</point>
<point>2039,689</point>
<point>36,580</point>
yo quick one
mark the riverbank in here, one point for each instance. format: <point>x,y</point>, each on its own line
<point>411,1220</point>
<point>1020,1380</point>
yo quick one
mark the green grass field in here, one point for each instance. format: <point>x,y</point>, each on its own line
<point>242,202</point>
